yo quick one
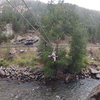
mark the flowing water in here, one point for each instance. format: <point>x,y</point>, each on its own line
<point>12,90</point>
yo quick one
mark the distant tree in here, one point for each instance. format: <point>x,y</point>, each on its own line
<point>98,33</point>
<point>3,38</point>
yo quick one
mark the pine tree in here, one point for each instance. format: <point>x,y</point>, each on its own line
<point>78,48</point>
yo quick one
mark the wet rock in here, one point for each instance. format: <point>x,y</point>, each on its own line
<point>98,76</point>
<point>58,97</point>
<point>16,97</point>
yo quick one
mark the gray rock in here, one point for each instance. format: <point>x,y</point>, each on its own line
<point>98,76</point>
<point>38,72</point>
<point>16,97</point>
<point>7,73</point>
<point>58,97</point>
<point>32,76</point>
<point>98,68</point>
<point>2,73</point>
<point>94,71</point>
<point>22,51</point>
<point>21,74</point>
<point>12,52</point>
<point>26,73</point>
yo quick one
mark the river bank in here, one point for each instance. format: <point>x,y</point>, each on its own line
<point>24,74</point>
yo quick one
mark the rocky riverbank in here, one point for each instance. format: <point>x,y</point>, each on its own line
<point>91,72</point>
<point>28,74</point>
<point>21,74</point>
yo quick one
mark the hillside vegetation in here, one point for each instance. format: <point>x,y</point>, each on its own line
<point>88,17</point>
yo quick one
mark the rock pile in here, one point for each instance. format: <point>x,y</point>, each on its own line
<point>26,40</point>
<point>27,74</point>
<point>95,72</point>
<point>91,72</point>
<point>21,74</point>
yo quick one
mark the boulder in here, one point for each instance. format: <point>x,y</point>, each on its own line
<point>22,51</point>
<point>58,97</point>
<point>2,73</point>
<point>98,68</point>
<point>13,51</point>
<point>94,71</point>
<point>98,76</point>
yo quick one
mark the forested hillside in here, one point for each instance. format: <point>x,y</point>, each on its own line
<point>88,17</point>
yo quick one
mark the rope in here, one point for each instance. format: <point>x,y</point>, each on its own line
<point>58,36</point>
<point>37,21</point>
<point>26,20</point>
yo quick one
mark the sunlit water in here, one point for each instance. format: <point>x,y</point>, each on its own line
<point>12,90</point>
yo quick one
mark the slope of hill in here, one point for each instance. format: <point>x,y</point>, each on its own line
<point>89,17</point>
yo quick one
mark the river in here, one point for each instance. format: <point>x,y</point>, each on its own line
<point>13,90</point>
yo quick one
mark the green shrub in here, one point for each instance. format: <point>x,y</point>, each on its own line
<point>21,62</point>
<point>49,72</point>
<point>3,38</point>
<point>25,60</point>
<point>33,61</point>
<point>62,61</point>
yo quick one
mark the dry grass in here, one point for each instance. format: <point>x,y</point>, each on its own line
<point>30,59</point>
<point>25,59</point>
